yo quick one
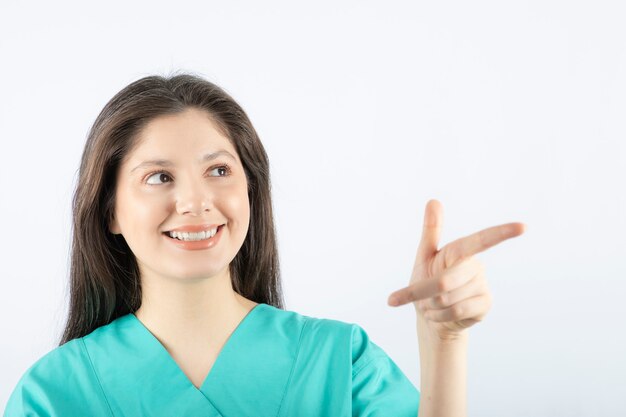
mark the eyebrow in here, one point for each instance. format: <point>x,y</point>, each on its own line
<point>165,162</point>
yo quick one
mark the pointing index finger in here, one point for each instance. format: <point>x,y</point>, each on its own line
<point>480,241</point>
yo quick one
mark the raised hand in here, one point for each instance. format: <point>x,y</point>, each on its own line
<point>448,286</point>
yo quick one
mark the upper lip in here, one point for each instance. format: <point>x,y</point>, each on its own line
<point>194,228</point>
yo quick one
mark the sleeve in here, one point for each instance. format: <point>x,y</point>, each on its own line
<point>379,387</point>
<point>32,398</point>
<point>59,384</point>
<point>26,400</point>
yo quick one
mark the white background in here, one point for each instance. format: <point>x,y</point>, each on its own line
<point>504,111</point>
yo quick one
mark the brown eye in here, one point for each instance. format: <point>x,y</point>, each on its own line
<point>223,168</point>
<point>160,175</point>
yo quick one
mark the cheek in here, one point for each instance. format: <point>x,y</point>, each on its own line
<point>236,206</point>
<point>137,211</point>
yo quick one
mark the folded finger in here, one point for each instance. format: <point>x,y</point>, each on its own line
<point>449,280</point>
<point>475,286</point>
<point>470,308</point>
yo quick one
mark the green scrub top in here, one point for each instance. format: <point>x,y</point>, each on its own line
<point>276,363</point>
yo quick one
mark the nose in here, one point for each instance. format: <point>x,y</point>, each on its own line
<point>192,197</point>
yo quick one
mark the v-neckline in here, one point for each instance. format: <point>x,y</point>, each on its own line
<point>223,351</point>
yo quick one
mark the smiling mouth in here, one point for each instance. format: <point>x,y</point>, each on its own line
<point>167,234</point>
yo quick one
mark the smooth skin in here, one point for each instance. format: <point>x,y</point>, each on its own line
<point>450,294</point>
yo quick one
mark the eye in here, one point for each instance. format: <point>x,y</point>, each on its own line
<point>226,169</point>
<point>163,174</point>
<point>160,174</point>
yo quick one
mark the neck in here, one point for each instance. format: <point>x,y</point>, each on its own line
<point>191,310</point>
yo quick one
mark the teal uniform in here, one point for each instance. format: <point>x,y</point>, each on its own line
<point>276,363</point>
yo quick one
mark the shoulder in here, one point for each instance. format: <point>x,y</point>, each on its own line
<point>61,378</point>
<point>54,361</point>
<point>72,358</point>
<point>335,336</point>
<point>347,345</point>
<point>314,326</point>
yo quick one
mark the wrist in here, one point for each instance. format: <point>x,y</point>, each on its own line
<point>430,338</point>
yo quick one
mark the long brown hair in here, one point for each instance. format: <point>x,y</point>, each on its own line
<point>104,276</point>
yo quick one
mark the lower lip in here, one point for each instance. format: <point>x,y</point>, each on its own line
<point>198,244</point>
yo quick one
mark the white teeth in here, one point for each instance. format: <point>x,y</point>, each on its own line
<point>193,236</point>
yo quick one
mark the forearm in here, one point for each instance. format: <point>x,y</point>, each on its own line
<point>443,374</point>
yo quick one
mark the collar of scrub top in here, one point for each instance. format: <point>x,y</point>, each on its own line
<point>251,372</point>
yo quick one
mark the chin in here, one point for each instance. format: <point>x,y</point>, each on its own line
<point>197,275</point>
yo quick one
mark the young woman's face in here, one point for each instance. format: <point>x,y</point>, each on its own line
<point>153,199</point>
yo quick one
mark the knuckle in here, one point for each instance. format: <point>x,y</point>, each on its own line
<point>441,300</point>
<point>444,284</point>
<point>457,311</point>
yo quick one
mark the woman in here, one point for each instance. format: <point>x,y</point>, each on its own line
<point>176,306</point>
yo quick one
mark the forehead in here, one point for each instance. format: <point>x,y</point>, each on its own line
<point>189,132</point>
